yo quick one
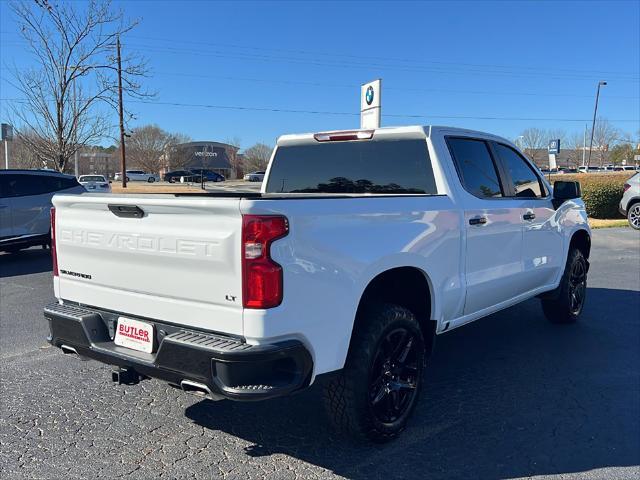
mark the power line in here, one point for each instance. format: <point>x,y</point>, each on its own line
<point>339,54</point>
<point>352,114</point>
<point>361,65</point>
<point>404,89</point>
<point>590,73</point>
<point>354,85</point>
<point>413,65</point>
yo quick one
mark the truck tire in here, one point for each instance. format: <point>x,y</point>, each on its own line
<point>374,395</point>
<point>566,303</point>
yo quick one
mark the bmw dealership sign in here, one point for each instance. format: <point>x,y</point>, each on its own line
<point>368,96</point>
<point>370,104</point>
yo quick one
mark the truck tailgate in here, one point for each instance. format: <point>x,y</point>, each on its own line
<point>178,262</point>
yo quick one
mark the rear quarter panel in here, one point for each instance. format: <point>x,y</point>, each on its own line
<point>335,247</point>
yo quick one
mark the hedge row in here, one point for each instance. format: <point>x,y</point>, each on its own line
<point>601,192</point>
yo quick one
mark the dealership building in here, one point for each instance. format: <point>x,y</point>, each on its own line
<point>214,156</point>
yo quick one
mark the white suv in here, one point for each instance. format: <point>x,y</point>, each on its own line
<point>137,176</point>
<point>25,204</point>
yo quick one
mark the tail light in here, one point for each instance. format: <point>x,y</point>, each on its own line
<point>54,253</point>
<point>261,276</point>
<point>626,187</point>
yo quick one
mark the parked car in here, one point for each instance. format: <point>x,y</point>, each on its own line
<point>25,206</point>
<point>209,175</point>
<point>176,175</point>
<point>630,202</point>
<point>137,176</point>
<point>95,183</point>
<point>254,176</point>
<point>564,171</point>
<point>361,247</point>
<point>585,169</point>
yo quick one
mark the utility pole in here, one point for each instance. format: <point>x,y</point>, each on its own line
<point>584,144</point>
<point>593,125</point>
<point>123,161</point>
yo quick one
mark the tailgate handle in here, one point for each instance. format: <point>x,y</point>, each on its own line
<point>126,211</point>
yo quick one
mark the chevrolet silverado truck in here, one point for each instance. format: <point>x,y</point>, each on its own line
<point>361,247</point>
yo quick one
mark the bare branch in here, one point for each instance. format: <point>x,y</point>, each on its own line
<point>73,46</point>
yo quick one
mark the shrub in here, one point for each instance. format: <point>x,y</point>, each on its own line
<point>601,192</point>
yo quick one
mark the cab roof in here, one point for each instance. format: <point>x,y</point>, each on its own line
<point>413,131</point>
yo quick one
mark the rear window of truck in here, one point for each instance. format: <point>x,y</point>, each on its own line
<point>373,166</point>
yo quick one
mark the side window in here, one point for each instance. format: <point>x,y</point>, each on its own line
<point>4,186</point>
<point>475,167</point>
<point>69,183</point>
<point>526,184</point>
<point>20,185</point>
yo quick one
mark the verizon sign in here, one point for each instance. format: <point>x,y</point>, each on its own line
<point>205,154</point>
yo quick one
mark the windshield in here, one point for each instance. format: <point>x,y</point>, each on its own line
<point>92,178</point>
<point>375,166</point>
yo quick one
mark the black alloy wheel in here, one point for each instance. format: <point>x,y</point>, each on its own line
<point>577,287</point>
<point>393,379</point>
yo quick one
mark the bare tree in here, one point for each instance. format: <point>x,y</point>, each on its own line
<point>573,147</point>
<point>67,95</point>
<point>604,136</point>
<point>257,157</point>
<point>234,159</point>
<point>557,134</point>
<point>178,158</point>
<point>147,147</point>
<point>22,155</point>
<point>533,140</point>
<point>625,150</point>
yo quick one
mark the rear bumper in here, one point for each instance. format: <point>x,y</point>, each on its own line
<point>228,366</point>
<point>622,210</point>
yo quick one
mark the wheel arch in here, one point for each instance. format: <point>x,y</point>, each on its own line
<point>632,202</point>
<point>406,286</point>
<point>582,241</point>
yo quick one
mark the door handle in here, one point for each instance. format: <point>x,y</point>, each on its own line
<point>126,211</point>
<point>529,216</point>
<point>478,221</point>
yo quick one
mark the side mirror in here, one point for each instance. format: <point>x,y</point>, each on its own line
<point>563,191</point>
<point>110,181</point>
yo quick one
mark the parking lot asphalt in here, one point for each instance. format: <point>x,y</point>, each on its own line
<point>510,396</point>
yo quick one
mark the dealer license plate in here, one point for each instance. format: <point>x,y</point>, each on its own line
<point>134,334</point>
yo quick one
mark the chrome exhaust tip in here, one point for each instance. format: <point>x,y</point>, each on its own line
<point>67,350</point>
<point>196,388</point>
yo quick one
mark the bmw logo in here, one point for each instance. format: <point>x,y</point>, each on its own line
<point>369,95</point>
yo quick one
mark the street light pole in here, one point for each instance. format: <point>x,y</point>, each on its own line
<point>593,124</point>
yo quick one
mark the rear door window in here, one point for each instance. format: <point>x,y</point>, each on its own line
<point>476,169</point>
<point>55,184</point>
<point>524,181</point>
<point>24,184</point>
<point>373,166</point>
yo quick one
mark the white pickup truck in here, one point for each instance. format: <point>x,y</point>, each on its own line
<point>361,247</point>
